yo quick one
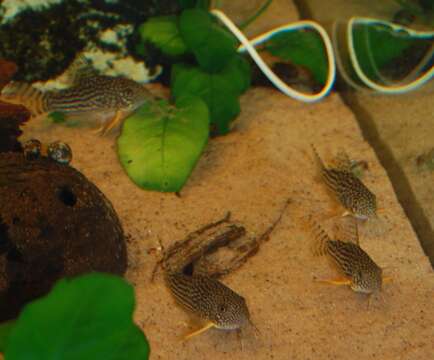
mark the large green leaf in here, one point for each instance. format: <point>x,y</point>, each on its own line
<point>163,32</point>
<point>212,46</point>
<point>302,47</point>
<point>160,144</point>
<point>220,91</point>
<point>86,318</point>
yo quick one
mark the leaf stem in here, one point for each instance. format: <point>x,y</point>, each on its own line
<point>262,9</point>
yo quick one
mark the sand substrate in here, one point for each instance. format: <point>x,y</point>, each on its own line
<point>252,172</point>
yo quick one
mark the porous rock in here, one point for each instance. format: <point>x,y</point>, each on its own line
<point>54,223</point>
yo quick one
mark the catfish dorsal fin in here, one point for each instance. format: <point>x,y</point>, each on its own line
<point>343,161</point>
<point>79,69</point>
<point>348,230</point>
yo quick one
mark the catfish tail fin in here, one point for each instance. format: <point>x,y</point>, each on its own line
<point>27,95</point>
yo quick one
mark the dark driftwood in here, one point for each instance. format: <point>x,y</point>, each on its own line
<point>216,249</point>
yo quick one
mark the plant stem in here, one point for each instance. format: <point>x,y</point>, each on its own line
<point>262,9</point>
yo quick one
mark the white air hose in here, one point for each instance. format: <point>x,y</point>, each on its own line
<point>390,89</point>
<point>249,46</point>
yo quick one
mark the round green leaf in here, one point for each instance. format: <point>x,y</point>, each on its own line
<point>163,32</point>
<point>238,74</point>
<point>220,91</point>
<point>194,26</point>
<point>160,144</point>
<point>212,46</point>
<point>86,318</point>
<point>218,49</point>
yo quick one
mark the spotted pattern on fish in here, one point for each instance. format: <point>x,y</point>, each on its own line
<point>99,93</point>
<point>209,299</point>
<point>351,259</point>
<point>90,94</point>
<point>349,189</point>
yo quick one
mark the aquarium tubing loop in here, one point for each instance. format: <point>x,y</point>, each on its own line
<point>396,89</point>
<point>249,46</point>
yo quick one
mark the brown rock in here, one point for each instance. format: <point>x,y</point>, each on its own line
<point>11,118</point>
<point>53,223</point>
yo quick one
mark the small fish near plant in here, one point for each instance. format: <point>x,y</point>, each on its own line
<point>106,100</point>
<point>86,318</point>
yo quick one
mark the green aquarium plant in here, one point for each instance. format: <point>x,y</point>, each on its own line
<point>204,51</point>
<point>160,144</point>
<point>86,318</point>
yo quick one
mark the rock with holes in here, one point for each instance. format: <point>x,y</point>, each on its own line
<point>53,223</point>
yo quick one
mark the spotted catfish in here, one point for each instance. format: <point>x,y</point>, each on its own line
<point>360,272</point>
<point>105,99</point>
<point>355,197</point>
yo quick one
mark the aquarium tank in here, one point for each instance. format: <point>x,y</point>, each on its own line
<point>202,179</point>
